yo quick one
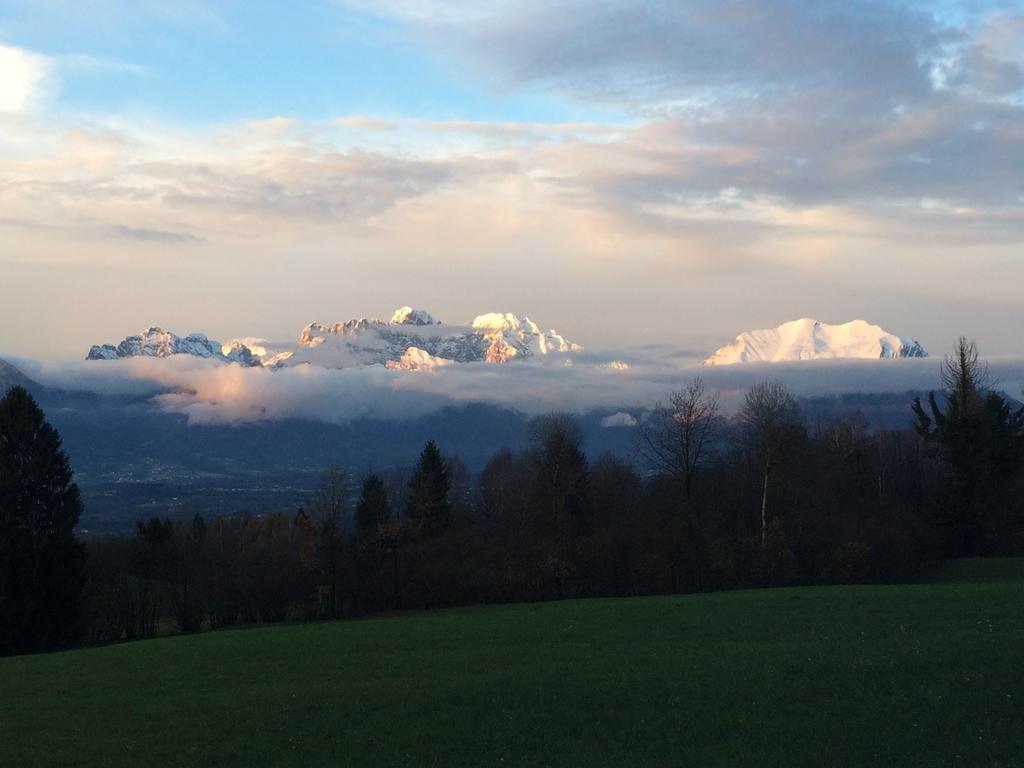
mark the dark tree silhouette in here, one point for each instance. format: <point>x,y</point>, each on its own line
<point>190,540</point>
<point>770,419</point>
<point>561,503</point>
<point>41,561</point>
<point>329,513</point>
<point>372,529</point>
<point>980,440</point>
<point>426,499</point>
<point>678,438</point>
<point>373,509</point>
<point>151,559</point>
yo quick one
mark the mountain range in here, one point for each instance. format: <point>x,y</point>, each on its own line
<point>136,456</point>
<point>412,340</point>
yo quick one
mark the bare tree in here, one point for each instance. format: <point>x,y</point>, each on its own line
<point>768,415</point>
<point>677,438</point>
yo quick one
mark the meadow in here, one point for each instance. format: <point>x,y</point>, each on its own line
<point>928,674</point>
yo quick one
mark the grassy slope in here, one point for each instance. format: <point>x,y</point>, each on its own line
<point>928,675</point>
<point>975,570</point>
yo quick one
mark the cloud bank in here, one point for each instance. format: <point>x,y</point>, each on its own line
<point>210,392</point>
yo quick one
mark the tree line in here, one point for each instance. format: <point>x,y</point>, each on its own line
<point>708,502</point>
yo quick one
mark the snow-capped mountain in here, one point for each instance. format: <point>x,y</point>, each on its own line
<point>411,340</point>
<point>510,336</point>
<point>808,339</point>
<point>416,359</point>
<point>156,342</point>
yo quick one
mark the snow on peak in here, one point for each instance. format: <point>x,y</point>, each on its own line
<point>410,316</point>
<point>514,335</point>
<point>416,359</point>
<point>412,340</point>
<point>493,338</point>
<point>156,342</point>
<point>809,339</point>
<point>503,321</point>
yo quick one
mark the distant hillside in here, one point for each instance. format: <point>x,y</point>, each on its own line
<point>12,377</point>
<point>133,460</point>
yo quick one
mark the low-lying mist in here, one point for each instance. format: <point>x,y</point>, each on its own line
<point>208,392</point>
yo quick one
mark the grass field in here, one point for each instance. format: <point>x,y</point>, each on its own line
<point>917,675</point>
<point>976,570</point>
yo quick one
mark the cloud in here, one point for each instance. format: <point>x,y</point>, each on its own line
<point>156,235</point>
<point>239,179</point>
<point>209,392</point>
<point>805,104</point>
<point>84,62</point>
<point>992,64</point>
<point>26,79</point>
<point>619,419</point>
<point>662,53</point>
<point>29,80</point>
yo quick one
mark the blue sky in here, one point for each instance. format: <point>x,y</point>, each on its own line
<point>248,60</point>
<point>627,172</point>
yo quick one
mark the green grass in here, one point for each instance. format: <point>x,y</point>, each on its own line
<point>916,675</point>
<point>976,570</point>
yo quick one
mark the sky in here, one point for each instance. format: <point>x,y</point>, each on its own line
<point>626,172</point>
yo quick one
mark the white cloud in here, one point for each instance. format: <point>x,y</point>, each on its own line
<point>26,79</point>
<point>619,419</point>
<point>88,63</point>
<point>209,392</point>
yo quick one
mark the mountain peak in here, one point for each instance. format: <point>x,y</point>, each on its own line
<point>502,321</point>
<point>810,339</point>
<point>409,316</point>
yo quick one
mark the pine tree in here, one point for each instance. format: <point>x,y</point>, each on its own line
<point>41,561</point>
<point>426,499</point>
<point>373,509</point>
<point>979,438</point>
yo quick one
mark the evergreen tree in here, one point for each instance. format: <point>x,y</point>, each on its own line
<point>426,499</point>
<point>373,539</point>
<point>152,562</point>
<point>373,509</point>
<point>980,440</point>
<point>41,561</point>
